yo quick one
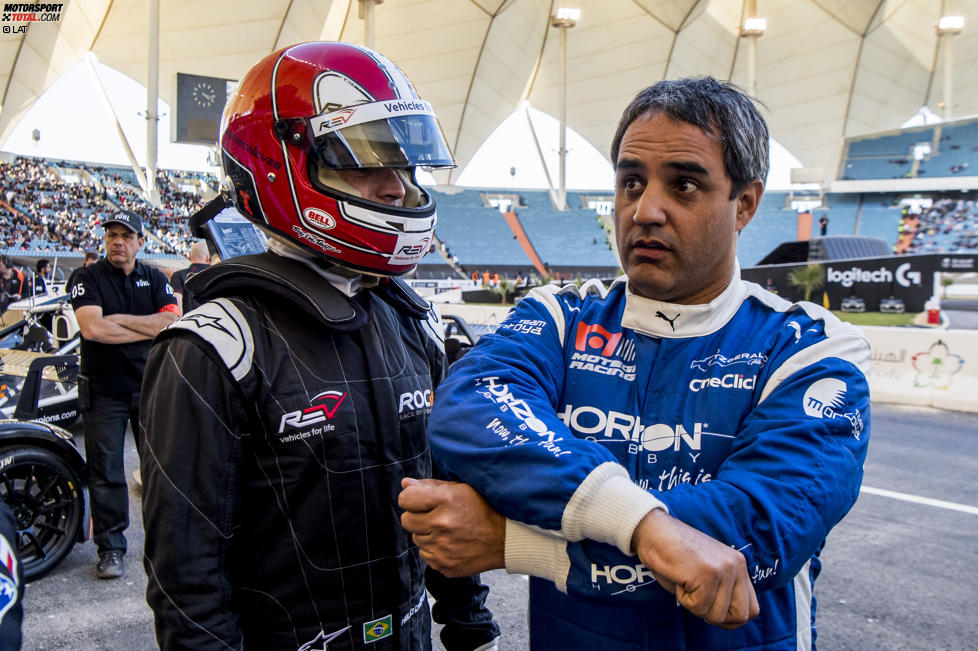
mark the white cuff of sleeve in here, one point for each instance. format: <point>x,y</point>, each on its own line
<point>488,646</point>
<point>529,551</point>
<point>607,507</point>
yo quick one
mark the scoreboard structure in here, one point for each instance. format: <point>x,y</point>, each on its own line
<point>199,103</point>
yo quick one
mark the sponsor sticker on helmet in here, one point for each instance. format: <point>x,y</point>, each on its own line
<point>319,218</point>
<point>315,240</point>
<point>369,112</point>
<point>410,248</point>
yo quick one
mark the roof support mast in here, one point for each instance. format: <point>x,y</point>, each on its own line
<point>366,13</point>
<point>140,176</point>
<point>562,20</point>
<point>152,100</point>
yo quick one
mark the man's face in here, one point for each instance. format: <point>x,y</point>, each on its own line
<point>675,223</point>
<point>5,271</point>
<point>121,245</point>
<point>377,184</point>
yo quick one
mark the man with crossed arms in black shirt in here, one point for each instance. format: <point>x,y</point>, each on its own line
<point>120,305</point>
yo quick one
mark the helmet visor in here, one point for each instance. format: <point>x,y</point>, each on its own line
<point>378,134</point>
<point>405,141</point>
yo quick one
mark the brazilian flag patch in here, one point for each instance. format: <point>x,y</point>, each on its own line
<point>378,629</point>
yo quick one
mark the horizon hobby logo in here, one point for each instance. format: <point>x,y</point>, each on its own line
<point>597,424</point>
<point>321,408</point>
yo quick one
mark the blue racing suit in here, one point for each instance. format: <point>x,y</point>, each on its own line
<point>746,418</point>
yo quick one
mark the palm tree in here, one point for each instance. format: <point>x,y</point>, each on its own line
<point>808,278</point>
<point>946,281</point>
<point>503,289</point>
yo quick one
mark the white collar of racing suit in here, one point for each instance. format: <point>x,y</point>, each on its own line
<point>348,282</point>
<point>671,320</point>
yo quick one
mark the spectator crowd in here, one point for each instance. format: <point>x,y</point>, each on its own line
<point>947,226</point>
<point>59,207</point>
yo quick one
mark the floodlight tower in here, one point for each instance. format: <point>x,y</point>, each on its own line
<point>752,29</point>
<point>564,19</point>
<point>366,13</point>
<point>947,27</point>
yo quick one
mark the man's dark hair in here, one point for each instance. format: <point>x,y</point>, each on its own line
<point>91,255</point>
<point>719,109</point>
<point>40,264</point>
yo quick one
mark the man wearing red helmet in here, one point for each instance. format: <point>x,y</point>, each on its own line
<point>281,415</point>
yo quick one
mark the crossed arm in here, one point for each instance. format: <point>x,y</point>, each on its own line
<point>120,328</point>
<point>459,533</point>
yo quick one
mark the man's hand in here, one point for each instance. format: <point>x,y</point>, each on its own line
<point>708,578</point>
<point>457,532</point>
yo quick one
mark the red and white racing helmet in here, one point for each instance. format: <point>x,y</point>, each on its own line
<point>304,113</point>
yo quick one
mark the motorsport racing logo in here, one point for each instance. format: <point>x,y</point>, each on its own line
<point>29,12</point>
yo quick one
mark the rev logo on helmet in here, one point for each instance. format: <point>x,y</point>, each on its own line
<point>592,336</point>
<point>322,407</point>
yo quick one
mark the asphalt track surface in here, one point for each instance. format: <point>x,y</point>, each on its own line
<point>899,572</point>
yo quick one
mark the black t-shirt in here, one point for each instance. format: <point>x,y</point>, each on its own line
<point>179,278</point>
<point>118,368</point>
<point>71,278</point>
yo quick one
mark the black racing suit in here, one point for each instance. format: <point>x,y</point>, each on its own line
<point>279,419</point>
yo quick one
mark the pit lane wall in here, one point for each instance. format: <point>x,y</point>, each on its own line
<point>928,367</point>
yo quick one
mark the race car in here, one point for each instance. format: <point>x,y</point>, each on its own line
<point>42,473</point>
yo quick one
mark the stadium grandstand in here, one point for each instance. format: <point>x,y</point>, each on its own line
<point>50,207</point>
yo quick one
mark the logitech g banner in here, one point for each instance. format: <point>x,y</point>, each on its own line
<point>907,277</point>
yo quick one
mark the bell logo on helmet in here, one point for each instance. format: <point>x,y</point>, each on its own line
<point>319,218</point>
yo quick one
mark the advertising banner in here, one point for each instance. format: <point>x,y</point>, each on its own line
<point>916,366</point>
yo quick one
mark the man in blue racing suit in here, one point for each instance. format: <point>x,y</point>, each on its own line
<point>683,428</point>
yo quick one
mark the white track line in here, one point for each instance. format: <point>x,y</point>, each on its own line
<point>906,497</point>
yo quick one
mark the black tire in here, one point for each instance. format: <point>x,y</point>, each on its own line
<point>47,501</point>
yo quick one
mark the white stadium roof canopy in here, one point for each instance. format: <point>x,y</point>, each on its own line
<point>826,69</point>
